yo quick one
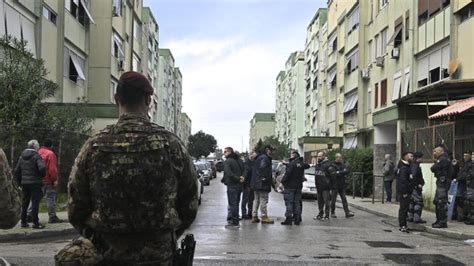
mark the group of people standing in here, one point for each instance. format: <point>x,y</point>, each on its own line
<point>253,179</point>
<point>410,182</point>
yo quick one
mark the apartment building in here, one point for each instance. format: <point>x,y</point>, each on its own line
<point>262,125</point>
<point>169,89</point>
<point>151,56</point>
<point>290,101</point>
<point>185,126</point>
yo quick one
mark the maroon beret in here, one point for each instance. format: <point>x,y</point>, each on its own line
<point>137,81</point>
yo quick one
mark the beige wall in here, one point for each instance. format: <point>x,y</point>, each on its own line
<point>465,49</point>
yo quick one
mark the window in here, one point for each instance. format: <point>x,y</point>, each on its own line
<point>118,47</point>
<point>332,112</point>
<point>352,62</point>
<point>433,67</point>
<point>370,52</point>
<point>406,85</point>
<point>135,63</point>
<point>397,33</point>
<point>49,14</point>
<point>353,20</point>
<point>19,27</point>
<point>332,43</point>
<point>429,8</point>
<point>315,83</point>
<point>78,9</point>
<point>113,90</point>
<point>383,3</point>
<point>350,102</point>
<point>407,25</point>
<point>116,8</point>
<point>137,30</point>
<point>376,99</point>
<point>383,42</point>
<point>376,45</point>
<point>467,12</point>
<point>383,93</point>
<point>397,82</point>
<point>332,77</point>
<point>369,101</point>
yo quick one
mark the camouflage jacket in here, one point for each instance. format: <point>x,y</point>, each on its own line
<point>10,202</point>
<point>133,177</point>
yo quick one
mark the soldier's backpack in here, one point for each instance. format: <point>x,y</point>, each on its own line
<point>10,200</point>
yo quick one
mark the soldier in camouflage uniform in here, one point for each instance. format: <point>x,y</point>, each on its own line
<point>10,200</point>
<point>132,189</point>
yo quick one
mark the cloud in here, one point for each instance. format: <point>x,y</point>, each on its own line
<point>225,81</point>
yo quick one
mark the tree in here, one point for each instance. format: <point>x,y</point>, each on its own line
<point>281,151</point>
<point>201,144</point>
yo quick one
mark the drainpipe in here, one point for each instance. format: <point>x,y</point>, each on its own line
<point>133,33</point>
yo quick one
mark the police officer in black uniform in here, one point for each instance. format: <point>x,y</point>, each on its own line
<point>443,170</point>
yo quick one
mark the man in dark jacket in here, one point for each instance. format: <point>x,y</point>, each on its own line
<point>29,172</point>
<point>338,171</point>
<point>443,171</point>
<point>322,178</point>
<point>247,193</point>
<point>388,170</point>
<point>233,177</point>
<point>464,172</point>
<point>416,203</point>
<point>469,196</point>
<point>293,183</point>
<point>261,184</point>
<point>405,179</point>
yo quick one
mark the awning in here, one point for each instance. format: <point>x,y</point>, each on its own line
<point>80,72</point>
<point>332,77</point>
<point>397,31</point>
<point>455,108</point>
<point>350,102</point>
<point>448,89</point>
<point>350,142</point>
<point>87,12</point>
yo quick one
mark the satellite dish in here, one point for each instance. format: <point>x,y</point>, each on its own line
<point>453,66</point>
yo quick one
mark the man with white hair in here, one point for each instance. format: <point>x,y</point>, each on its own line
<point>29,172</point>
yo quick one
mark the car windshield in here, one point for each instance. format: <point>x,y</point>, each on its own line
<point>309,171</point>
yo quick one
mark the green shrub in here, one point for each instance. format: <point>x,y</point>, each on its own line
<point>358,160</point>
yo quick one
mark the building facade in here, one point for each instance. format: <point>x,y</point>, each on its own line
<point>290,101</point>
<point>262,125</point>
<point>185,126</point>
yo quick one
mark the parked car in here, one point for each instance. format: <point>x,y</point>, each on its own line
<point>203,171</point>
<point>213,169</point>
<point>200,189</point>
<point>309,186</point>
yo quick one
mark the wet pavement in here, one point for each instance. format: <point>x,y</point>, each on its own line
<point>341,240</point>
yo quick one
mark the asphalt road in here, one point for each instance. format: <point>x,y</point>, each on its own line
<point>341,240</point>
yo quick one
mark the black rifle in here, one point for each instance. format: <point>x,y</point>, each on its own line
<point>185,254</point>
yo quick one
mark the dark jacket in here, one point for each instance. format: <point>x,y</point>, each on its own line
<point>404,178</point>
<point>417,176</point>
<point>322,177</point>
<point>443,170</point>
<point>30,168</point>
<point>338,172</point>
<point>294,175</point>
<point>463,175</point>
<point>233,169</point>
<point>249,164</point>
<point>262,174</point>
<point>388,170</point>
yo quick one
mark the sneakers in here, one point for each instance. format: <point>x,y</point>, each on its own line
<point>349,215</point>
<point>439,225</point>
<point>404,229</point>
<point>287,221</point>
<point>325,218</point>
<point>267,220</point>
<point>255,220</point>
<point>333,215</point>
<point>318,217</point>
<point>55,220</point>
<point>38,226</point>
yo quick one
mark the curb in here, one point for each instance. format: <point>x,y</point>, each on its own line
<point>22,236</point>
<point>428,229</point>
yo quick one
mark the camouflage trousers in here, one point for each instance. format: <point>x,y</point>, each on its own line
<point>441,204</point>
<point>120,249</point>
<point>469,206</point>
<point>416,206</point>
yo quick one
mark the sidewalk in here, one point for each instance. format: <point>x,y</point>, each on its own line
<point>455,229</point>
<point>51,230</point>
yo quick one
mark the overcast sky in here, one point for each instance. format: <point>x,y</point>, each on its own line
<point>230,52</point>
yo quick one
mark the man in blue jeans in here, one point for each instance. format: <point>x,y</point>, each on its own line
<point>388,170</point>
<point>293,183</point>
<point>234,171</point>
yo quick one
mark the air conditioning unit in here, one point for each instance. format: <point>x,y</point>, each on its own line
<point>395,53</point>
<point>121,64</point>
<point>365,73</point>
<point>379,61</point>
